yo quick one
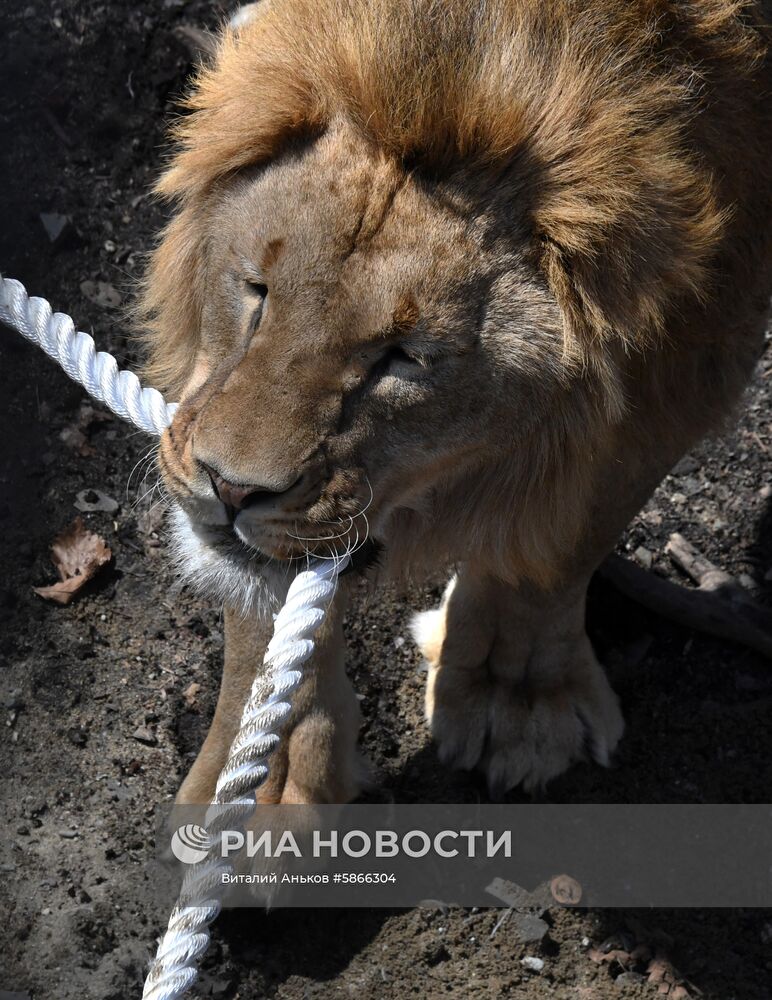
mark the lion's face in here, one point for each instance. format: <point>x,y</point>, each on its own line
<point>368,342</point>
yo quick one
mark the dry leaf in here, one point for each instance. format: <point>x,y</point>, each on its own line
<point>189,694</point>
<point>669,983</point>
<point>78,555</point>
<point>615,955</point>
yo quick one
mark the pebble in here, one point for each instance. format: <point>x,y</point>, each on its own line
<point>145,735</point>
<point>530,929</point>
<point>644,556</point>
<point>56,226</point>
<point>101,294</point>
<point>629,979</point>
<point>532,963</point>
<point>13,700</point>
<point>686,466</point>
<point>93,500</point>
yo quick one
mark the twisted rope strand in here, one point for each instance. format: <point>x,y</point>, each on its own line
<point>174,969</point>
<point>266,709</point>
<point>76,352</point>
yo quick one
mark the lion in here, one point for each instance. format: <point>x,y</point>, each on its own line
<point>464,279</point>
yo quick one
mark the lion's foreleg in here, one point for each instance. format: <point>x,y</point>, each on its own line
<point>514,687</point>
<point>317,759</point>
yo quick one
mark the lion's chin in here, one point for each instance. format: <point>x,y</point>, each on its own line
<point>223,569</point>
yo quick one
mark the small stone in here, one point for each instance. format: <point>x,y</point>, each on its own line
<point>765,492</point>
<point>95,500</point>
<point>532,963</point>
<point>530,928</point>
<point>644,556</point>
<point>101,294</point>
<point>144,735</point>
<point>686,466</point>
<point>13,700</point>
<point>56,226</point>
<point>691,486</point>
<point>747,581</point>
<point>68,834</point>
<point>630,979</point>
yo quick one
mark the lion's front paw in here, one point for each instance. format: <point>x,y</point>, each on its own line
<point>521,723</point>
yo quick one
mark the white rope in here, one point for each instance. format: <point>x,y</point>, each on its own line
<point>186,939</point>
<point>267,708</point>
<point>97,372</point>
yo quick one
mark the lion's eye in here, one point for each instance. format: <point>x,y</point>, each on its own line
<point>397,355</point>
<point>258,293</point>
<point>398,361</point>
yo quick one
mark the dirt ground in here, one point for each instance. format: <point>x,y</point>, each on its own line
<point>97,726</point>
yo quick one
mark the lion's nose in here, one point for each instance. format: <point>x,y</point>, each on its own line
<point>234,495</point>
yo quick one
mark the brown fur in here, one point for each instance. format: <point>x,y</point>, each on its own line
<point>596,106</point>
<point>562,208</point>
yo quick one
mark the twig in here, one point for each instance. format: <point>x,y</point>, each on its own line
<point>718,606</point>
<point>500,922</point>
